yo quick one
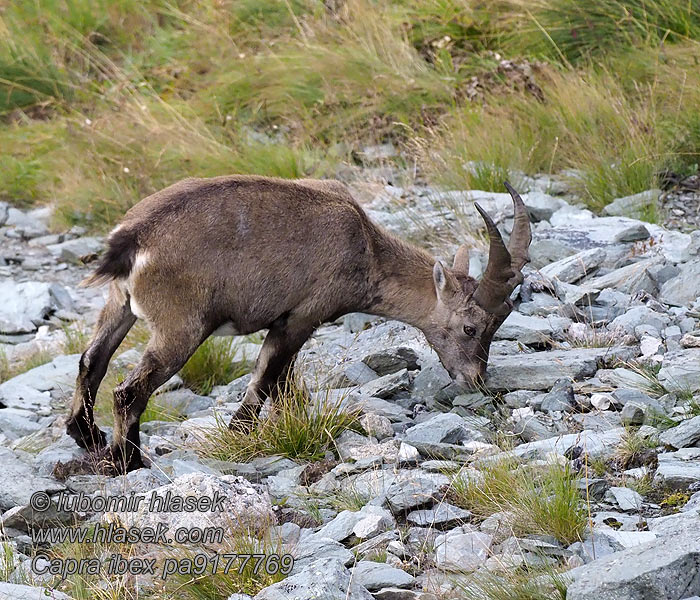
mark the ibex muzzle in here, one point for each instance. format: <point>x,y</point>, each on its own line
<point>242,253</point>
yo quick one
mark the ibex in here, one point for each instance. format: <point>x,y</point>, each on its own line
<point>242,253</point>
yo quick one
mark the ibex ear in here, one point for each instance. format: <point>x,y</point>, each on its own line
<point>461,262</point>
<point>445,284</point>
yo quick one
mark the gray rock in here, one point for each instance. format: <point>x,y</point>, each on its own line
<point>632,414</point>
<point>680,370</point>
<point>376,520</point>
<point>684,288</point>
<point>629,279</point>
<point>462,551</point>
<point>633,233</point>
<point>12,591</point>
<point>376,575</point>
<point>541,370</point>
<point>546,251</point>
<point>325,578</point>
<point>446,428</point>
<point>408,455</point>
<point>20,481</point>
<point>313,547</point>
<point>639,315</point>
<point>25,305</point>
<point>573,268</point>
<point>625,498</point>
<point>414,489</point>
<point>560,398</point>
<point>377,426</point>
<point>73,250</point>
<point>443,515</point>
<point>678,469</point>
<point>183,401</point>
<point>392,360</point>
<point>682,436</point>
<point>531,330</point>
<point>676,524</point>
<point>432,378</point>
<point>597,444</point>
<point>664,568</point>
<point>633,206</point>
<point>386,386</point>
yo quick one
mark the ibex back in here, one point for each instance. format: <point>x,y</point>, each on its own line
<point>241,253</point>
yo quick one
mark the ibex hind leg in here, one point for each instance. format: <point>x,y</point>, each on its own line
<point>272,368</point>
<point>113,324</point>
<point>166,353</point>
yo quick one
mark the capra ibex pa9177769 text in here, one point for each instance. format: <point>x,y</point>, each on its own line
<point>242,253</point>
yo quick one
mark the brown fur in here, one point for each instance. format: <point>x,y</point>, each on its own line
<point>260,253</point>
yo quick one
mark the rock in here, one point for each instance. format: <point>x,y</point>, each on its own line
<point>632,414</point>
<point>573,268</point>
<point>597,444</point>
<point>680,370</point>
<point>325,578</point>
<point>183,401</point>
<point>443,515</point>
<point>414,489</point>
<point>546,251</point>
<point>376,521</point>
<point>634,233</point>
<point>25,305</point>
<point>12,591</point>
<point>682,436</point>
<point>408,455</point>
<point>392,360</point>
<point>462,551</point>
<point>531,330</point>
<point>541,370</point>
<point>25,390</point>
<point>663,568</point>
<point>625,498</point>
<point>446,428</point>
<point>376,575</point>
<point>676,524</point>
<point>639,315</point>
<point>377,426</point>
<point>386,386</point>
<point>73,250</point>
<point>20,481</point>
<point>629,279</point>
<point>684,288</point>
<point>560,398</point>
<point>678,470</point>
<point>635,206</point>
<point>431,379</point>
<point>238,501</point>
<point>312,548</point>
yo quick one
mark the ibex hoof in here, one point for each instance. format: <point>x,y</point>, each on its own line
<point>90,438</point>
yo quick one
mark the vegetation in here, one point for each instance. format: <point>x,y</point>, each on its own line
<point>515,584</point>
<point>147,92</point>
<point>542,501</point>
<point>213,363</point>
<point>296,428</point>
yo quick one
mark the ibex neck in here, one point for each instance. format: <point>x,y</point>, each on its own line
<point>404,282</point>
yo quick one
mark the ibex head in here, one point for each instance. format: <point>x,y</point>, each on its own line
<point>468,312</point>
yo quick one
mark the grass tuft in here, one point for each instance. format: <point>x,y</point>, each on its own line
<point>296,428</point>
<point>213,363</point>
<point>542,501</point>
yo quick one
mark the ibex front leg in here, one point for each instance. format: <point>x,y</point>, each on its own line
<point>275,361</point>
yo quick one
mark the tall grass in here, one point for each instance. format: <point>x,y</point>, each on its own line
<point>543,501</point>
<point>296,428</point>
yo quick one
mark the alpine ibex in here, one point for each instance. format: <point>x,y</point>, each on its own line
<point>242,253</point>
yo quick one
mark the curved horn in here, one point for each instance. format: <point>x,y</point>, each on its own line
<point>493,289</point>
<point>521,236</point>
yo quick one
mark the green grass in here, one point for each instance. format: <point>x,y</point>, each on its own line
<point>145,93</point>
<point>296,429</point>
<point>542,501</point>
<point>632,447</point>
<point>514,584</point>
<point>212,364</point>
<point>8,369</point>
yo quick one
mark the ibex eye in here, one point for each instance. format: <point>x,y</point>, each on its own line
<point>469,330</point>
